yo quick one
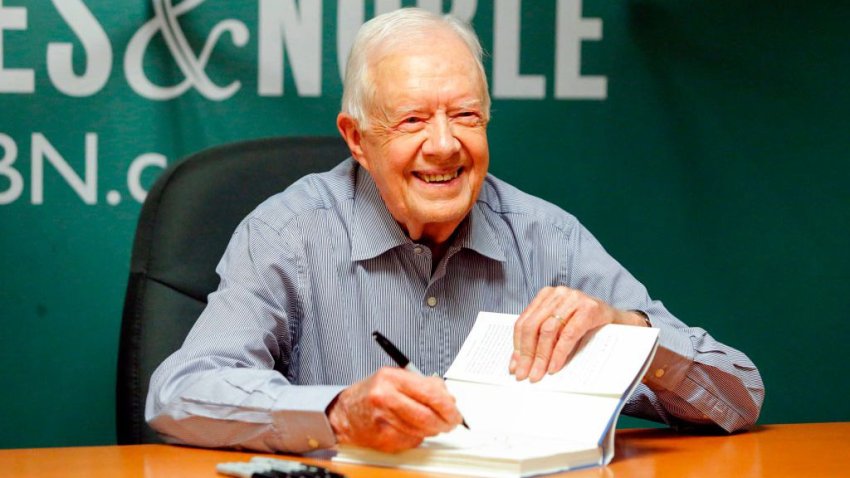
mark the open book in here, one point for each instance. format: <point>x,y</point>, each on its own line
<point>565,421</point>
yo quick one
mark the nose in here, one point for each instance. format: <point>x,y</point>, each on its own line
<point>441,142</point>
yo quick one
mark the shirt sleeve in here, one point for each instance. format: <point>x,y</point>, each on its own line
<point>693,380</point>
<point>221,389</point>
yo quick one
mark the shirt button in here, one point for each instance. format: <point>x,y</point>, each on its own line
<point>659,373</point>
<point>432,301</point>
<point>417,249</point>
<point>312,443</point>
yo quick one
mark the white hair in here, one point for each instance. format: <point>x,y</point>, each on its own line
<point>390,30</point>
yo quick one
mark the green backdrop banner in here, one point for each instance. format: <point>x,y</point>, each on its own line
<point>705,143</point>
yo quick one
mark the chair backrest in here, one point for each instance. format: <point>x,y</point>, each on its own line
<point>184,227</point>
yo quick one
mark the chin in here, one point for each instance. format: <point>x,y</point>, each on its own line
<point>446,215</point>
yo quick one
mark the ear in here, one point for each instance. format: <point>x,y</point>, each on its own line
<point>350,131</point>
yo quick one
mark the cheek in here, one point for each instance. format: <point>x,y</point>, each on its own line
<point>476,146</point>
<point>400,156</point>
<point>390,174</point>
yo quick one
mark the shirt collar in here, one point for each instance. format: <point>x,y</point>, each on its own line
<point>480,235</point>
<point>374,230</point>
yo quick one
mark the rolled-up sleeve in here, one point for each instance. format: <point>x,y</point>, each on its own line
<point>694,379</point>
<point>221,389</point>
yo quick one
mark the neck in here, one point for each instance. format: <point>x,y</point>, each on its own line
<point>438,247</point>
<point>432,235</point>
<point>437,253</point>
<point>438,238</point>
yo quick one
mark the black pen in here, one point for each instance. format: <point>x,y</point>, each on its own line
<point>400,359</point>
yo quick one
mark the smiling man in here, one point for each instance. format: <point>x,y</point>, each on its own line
<point>425,141</point>
<point>412,237</point>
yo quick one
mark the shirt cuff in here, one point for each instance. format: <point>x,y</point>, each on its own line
<point>672,362</point>
<point>300,418</point>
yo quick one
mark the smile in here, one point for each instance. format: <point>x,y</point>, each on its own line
<point>439,178</point>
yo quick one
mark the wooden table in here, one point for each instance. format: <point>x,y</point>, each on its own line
<point>818,449</point>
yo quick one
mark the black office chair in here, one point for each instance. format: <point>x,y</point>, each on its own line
<point>184,227</point>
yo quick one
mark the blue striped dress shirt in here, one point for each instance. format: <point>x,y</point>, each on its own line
<point>315,269</point>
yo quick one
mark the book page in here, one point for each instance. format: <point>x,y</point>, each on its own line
<point>605,362</point>
<point>513,446</point>
<point>471,454</point>
<point>487,350</point>
<point>526,411</point>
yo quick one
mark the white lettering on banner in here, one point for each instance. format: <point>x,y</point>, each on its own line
<point>134,174</point>
<point>281,24</point>
<point>41,148</point>
<point>291,29</point>
<point>290,34</point>
<point>350,16</point>
<point>96,44</point>
<point>192,67</point>
<point>386,6</point>
<point>14,80</point>
<point>462,9</point>
<point>86,188</point>
<point>507,82</point>
<point>572,28</point>
<point>16,182</point>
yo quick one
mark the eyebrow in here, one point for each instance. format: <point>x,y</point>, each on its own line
<point>405,110</point>
<point>470,104</point>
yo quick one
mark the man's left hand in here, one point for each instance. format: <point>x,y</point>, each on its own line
<point>550,328</point>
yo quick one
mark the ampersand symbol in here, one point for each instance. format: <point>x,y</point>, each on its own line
<point>193,67</point>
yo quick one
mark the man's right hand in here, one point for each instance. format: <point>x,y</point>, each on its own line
<point>393,410</point>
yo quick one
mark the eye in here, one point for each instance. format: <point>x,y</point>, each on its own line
<point>467,117</point>
<point>412,123</point>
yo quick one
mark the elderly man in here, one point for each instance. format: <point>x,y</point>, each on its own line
<point>412,237</point>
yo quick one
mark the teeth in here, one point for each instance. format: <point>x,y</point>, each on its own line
<point>439,178</point>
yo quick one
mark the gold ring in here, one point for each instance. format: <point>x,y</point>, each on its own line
<point>558,319</point>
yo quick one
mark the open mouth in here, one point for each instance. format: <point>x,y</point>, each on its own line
<point>439,178</point>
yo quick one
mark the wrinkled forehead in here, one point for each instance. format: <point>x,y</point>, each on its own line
<point>410,82</point>
<point>396,65</point>
<point>424,35</point>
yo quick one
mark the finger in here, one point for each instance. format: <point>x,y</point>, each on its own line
<point>384,405</point>
<point>366,413</point>
<point>542,301</point>
<point>563,310</point>
<point>529,335</point>
<point>512,366</point>
<point>431,392</point>
<point>376,401</point>
<point>533,327</point>
<point>414,418</point>
<point>568,339</point>
<point>414,404</point>
<point>550,332</point>
<point>537,302</point>
<point>359,416</point>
